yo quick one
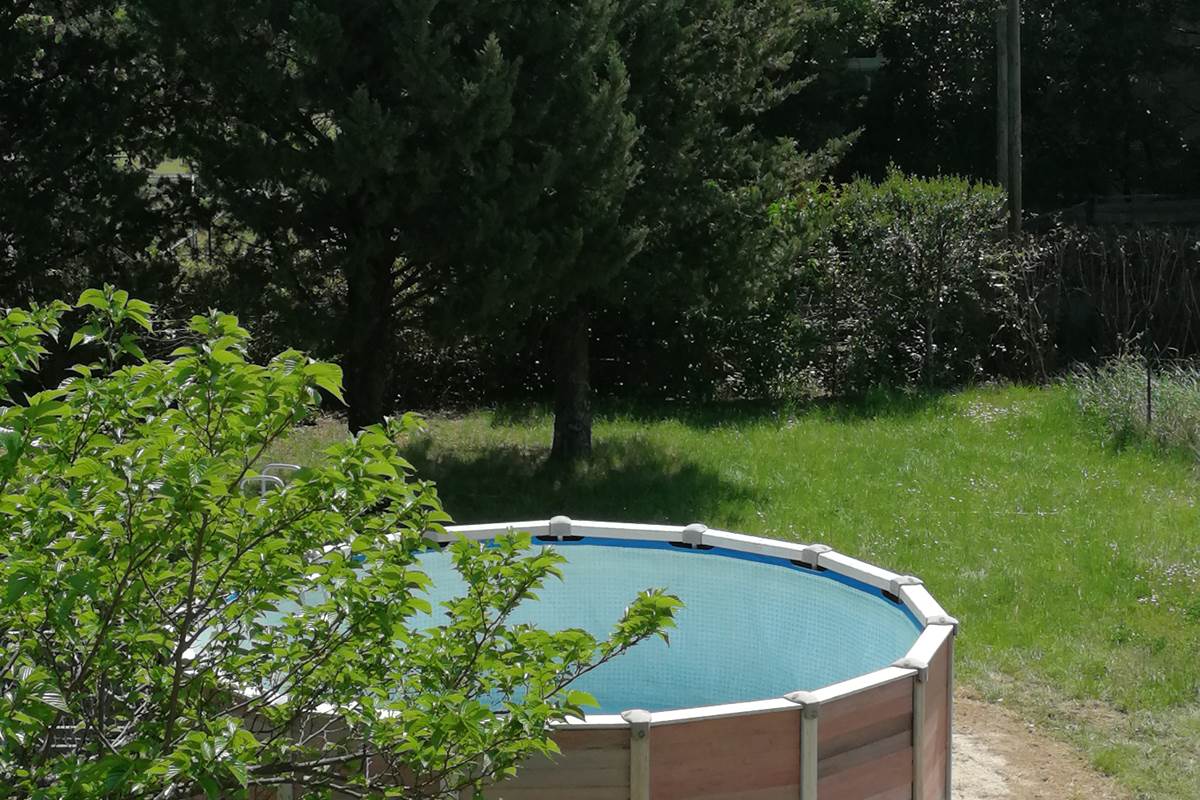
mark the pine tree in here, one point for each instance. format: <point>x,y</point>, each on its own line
<point>83,118</point>
<point>478,162</point>
<point>470,154</point>
<point>703,76</point>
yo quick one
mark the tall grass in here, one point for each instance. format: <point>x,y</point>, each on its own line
<point>1160,408</point>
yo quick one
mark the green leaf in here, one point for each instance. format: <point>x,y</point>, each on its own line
<point>86,335</point>
<point>19,585</point>
<point>578,698</point>
<point>54,700</point>
<point>93,298</point>
<point>326,376</point>
<point>129,344</point>
<point>154,637</point>
<point>381,468</point>
<point>208,783</point>
<point>225,357</point>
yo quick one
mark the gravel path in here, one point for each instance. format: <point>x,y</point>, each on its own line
<point>998,756</point>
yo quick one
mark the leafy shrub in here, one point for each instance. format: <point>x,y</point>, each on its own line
<point>900,283</point>
<point>739,349</point>
<point>1115,395</point>
<point>151,644</point>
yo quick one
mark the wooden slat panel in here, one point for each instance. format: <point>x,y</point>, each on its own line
<point>865,717</point>
<point>889,777</point>
<point>866,747</point>
<point>866,754</point>
<point>563,792</point>
<point>753,757</point>
<point>593,765</point>
<point>935,740</point>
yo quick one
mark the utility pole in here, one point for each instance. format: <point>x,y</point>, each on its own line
<point>1012,44</point>
<point>1002,96</point>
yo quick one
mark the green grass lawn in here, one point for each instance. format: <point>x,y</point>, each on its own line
<point>173,166</point>
<point>1074,569</point>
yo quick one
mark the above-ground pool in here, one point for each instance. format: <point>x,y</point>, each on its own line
<point>793,672</point>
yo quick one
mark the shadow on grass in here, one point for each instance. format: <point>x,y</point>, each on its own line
<point>879,404</point>
<point>627,480</point>
<point>884,404</point>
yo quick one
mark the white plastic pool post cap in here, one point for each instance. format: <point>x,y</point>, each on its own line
<point>560,526</point>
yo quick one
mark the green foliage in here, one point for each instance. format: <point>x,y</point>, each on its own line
<point>1160,408</point>
<point>446,168</point>
<point>503,165</point>
<point>705,77</point>
<point>905,283</point>
<point>83,110</point>
<point>1109,96</point>
<point>22,340</point>
<point>899,283</point>
<point>165,634</point>
<point>431,162</point>
<point>1111,105</point>
<point>931,108</point>
<point>837,38</point>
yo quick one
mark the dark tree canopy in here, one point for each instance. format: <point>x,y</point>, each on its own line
<point>395,151</point>
<point>1110,104</point>
<point>83,109</point>
<point>466,164</point>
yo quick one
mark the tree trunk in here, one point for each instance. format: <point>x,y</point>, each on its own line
<point>366,340</point>
<point>572,392</point>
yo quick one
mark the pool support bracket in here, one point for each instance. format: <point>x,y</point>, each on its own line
<point>899,582</point>
<point>810,556</point>
<point>694,534</point>
<point>559,530</point>
<point>810,710</point>
<point>639,752</point>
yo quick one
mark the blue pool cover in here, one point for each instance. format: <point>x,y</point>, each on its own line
<point>752,627</point>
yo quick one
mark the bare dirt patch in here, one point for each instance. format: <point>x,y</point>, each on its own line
<point>999,756</point>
